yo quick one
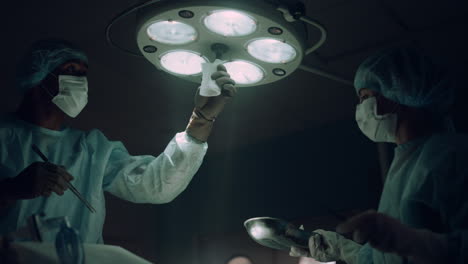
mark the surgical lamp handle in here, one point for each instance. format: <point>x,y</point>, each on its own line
<point>219,49</point>
<point>323,31</point>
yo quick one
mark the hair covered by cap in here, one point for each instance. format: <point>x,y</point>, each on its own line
<point>44,57</point>
<point>406,76</point>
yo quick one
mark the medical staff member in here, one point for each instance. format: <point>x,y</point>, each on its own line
<point>423,212</point>
<point>52,77</point>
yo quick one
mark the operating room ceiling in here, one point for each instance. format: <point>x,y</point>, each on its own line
<point>130,100</point>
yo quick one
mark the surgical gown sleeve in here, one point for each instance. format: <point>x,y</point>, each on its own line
<point>365,255</point>
<point>149,179</point>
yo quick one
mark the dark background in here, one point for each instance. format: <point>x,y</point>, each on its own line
<point>290,149</point>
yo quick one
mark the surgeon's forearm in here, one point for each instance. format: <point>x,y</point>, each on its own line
<point>6,196</point>
<point>163,178</point>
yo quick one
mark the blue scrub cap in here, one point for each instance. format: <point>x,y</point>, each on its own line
<point>43,58</point>
<point>407,77</point>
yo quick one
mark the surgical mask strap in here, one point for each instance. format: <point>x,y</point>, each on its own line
<point>392,112</point>
<point>47,90</point>
<point>396,106</point>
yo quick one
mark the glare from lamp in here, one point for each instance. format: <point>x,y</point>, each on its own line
<point>243,72</point>
<point>260,232</point>
<point>271,50</point>
<point>304,260</point>
<point>182,62</point>
<point>230,23</point>
<point>239,260</point>
<point>172,32</point>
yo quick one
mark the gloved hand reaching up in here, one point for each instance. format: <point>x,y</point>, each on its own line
<point>208,108</point>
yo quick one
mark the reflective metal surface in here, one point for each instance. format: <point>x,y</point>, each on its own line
<point>276,233</point>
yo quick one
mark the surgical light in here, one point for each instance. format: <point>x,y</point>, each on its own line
<point>265,41</point>
<point>230,23</point>
<point>182,62</point>
<point>271,50</point>
<point>239,260</point>
<point>243,72</point>
<point>304,260</point>
<point>172,32</point>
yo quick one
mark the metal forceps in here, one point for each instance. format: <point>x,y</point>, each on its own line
<point>70,186</point>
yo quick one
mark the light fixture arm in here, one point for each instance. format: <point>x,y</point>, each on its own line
<point>286,14</point>
<point>295,15</point>
<point>325,74</point>
<point>323,36</point>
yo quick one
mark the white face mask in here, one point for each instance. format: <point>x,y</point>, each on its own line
<point>73,94</point>
<point>378,128</point>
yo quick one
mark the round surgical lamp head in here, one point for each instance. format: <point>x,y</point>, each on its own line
<point>177,36</point>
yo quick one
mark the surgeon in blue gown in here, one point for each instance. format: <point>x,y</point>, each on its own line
<point>52,78</point>
<point>423,211</point>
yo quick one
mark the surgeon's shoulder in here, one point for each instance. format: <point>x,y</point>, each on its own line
<point>98,142</point>
<point>96,136</point>
<point>447,151</point>
<point>449,143</point>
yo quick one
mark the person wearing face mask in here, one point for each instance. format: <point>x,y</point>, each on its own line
<point>52,77</point>
<point>423,211</point>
